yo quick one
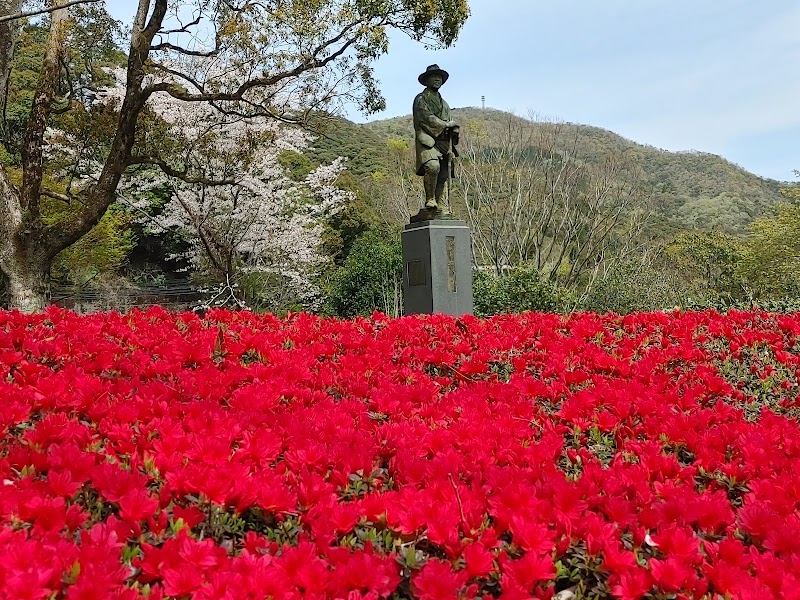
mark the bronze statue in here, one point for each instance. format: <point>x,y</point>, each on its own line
<point>436,138</point>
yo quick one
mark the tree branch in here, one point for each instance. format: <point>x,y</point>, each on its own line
<point>166,46</point>
<point>42,11</point>
<point>56,196</point>
<point>182,175</point>
<point>311,63</point>
<point>184,28</point>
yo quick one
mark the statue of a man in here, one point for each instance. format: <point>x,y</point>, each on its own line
<point>436,136</point>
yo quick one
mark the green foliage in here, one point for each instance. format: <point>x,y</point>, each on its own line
<point>103,251</point>
<point>296,165</point>
<point>583,572</point>
<point>634,286</point>
<point>268,292</point>
<point>792,191</point>
<point>370,278</point>
<point>779,305</point>
<point>22,82</point>
<point>339,137</point>
<point>771,262</point>
<point>516,290</point>
<point>761,376</point>
<point>709,262</point>
<point>723,271</point>
<point>344,228</point>
<point>6,158</point>
<point>90,47</point>
<point>394,189</point>
<point>443,17</point>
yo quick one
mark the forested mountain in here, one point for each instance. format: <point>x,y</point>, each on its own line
<point>364,148</point>
<point>690,189</point>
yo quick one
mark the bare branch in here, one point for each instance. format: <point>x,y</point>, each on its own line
<point>262,111</point>
<point>42,11</point>
<point>166,46</point>
<point>310,64</point>
<point>182,175</point>
<point>56,196</point>
<point>184,28</point>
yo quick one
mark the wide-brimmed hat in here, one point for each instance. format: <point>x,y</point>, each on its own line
<point>433,70</point>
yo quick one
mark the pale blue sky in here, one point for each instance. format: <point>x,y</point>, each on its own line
<point>710,75</point>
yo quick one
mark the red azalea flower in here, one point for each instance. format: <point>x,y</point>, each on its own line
<point>724,577</point>
<point>291,409</point>
<point>618,560</point>
<point>632,585</point>
<point>46,514</point>
<point>62,484</point>
<point>512,590</point>
<point>757,519</point>
<point>437,581</point>
<point>364,573</point>
<point>480,562</point>
<point>679,543</point>
<point>151,562</point>
<point>670,574</point>
<point>114,483</point>
<point>531,536</point>
<point>191,515</point>
<point>529,570</point>
<point>785,539</point>
<point>181,580</point>
<point>137,505</point>
<point>305,569</point>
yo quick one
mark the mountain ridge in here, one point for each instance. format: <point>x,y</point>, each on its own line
<point>691,189</point>
<point>628,141</point>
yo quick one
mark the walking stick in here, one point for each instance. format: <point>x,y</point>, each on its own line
<point>450,167</point>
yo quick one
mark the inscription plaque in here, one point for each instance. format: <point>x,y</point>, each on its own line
<point>416,273</point>
<point>452,284</point>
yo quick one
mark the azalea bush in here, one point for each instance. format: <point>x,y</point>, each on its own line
<point>237,456</point>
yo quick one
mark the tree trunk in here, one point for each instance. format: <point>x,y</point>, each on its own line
<point>42,106</point>
<point>27,286</point>
<point>28,245</point>
<point>23,259</point>
<point>24,264</point>
<point>8,36</point>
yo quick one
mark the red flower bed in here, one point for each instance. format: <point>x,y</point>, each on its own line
<point>240,456</point>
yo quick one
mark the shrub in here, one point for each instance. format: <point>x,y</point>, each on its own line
<point>370,278</point>
<point>632,287</point>
<point>517,290</point>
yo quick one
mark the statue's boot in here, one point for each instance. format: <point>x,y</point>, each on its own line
<point>429,181</point>
<point>441,202</point>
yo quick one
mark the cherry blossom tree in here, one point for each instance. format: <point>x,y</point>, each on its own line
<point>244,214</point>
<point>274,59</point>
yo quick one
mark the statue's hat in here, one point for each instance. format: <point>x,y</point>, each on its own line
<point>433,70</point>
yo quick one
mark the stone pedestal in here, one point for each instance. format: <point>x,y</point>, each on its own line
<point>437,267</point>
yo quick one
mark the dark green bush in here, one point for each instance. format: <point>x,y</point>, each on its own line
<point>370,279</point>
<point>775,305</point>
<point>516,290</point>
